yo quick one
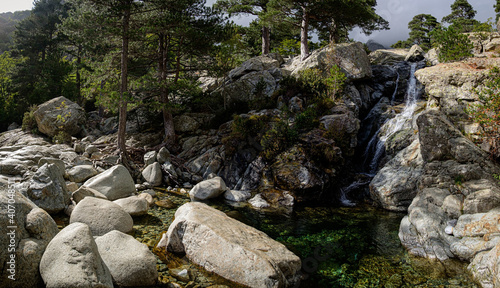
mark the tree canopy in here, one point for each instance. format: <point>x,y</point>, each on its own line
<point>462,15</point>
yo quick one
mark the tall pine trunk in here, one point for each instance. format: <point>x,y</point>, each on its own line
<point>122,124</point>
<point>168,121</point>
<point>265,40</point>
<point>304,29</point>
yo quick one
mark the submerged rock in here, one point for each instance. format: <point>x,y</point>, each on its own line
<point>230,248</point>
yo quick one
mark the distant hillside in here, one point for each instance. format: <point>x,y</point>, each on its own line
<point>8,22</point>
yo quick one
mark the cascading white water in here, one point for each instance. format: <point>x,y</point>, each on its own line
<point>344,191</point>
<point>395,90</point>
<point>394,124</point>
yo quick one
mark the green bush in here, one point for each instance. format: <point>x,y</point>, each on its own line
<point>278,139</point>
<point>29,122</point>
<point>453,45</point>
<point>307,119</point>
<point>487,112</point>
<point>61,138</point>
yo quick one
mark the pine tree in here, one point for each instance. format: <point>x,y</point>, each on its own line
<point>462,16</point>
<point>335,16</point>
<point>249,7</point>
<point>420,27</point>
<point>43,74</point>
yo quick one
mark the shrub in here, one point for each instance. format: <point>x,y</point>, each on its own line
<point>29,122</point>
<point>453,45</point>
<point>487,112</point>
<point>278,139</point>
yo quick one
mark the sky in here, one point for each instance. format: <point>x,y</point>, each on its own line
<point>397,12</point>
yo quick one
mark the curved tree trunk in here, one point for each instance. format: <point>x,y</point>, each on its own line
<point>304,29</point>
<point>266,41</point>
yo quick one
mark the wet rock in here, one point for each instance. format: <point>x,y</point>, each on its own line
<point>72,260</point>
<point>256,259</point>
<point>114,183</point>
<point>35,229</point>
<point>236,195</point>
<point>59,114</point>
<point>101,216</point>
<point>134,205</point>
<point>129,261</point>
<point>166,203</point>
<point>259,202</point>
<point>47,189</point>
<point>207,189</point>
<point>395,185</point>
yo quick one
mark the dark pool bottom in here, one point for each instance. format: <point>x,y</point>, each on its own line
<point>340,247</point>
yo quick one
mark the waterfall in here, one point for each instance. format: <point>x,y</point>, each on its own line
<point>393,125</point>
<point>395,90</point>
<point>344,191</point>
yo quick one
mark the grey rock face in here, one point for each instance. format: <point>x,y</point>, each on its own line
<point>47,189</point>
<point>81,173</point>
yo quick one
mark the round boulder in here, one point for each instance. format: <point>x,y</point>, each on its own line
<point>102,216</point>
<point>114,183</point>
<point>130,262</point>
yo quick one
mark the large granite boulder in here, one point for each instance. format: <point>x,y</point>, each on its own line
<point>456,175</point>
<point>207,189</point>
<point>114,183</point>
<point>230,248</point>
<point>72,260</point>
<point>130,262</point>
<point>350,57</point>
<point>24,242</point>
<point>60,114</point>
<point>101,216</point>
<point>47,189</point>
